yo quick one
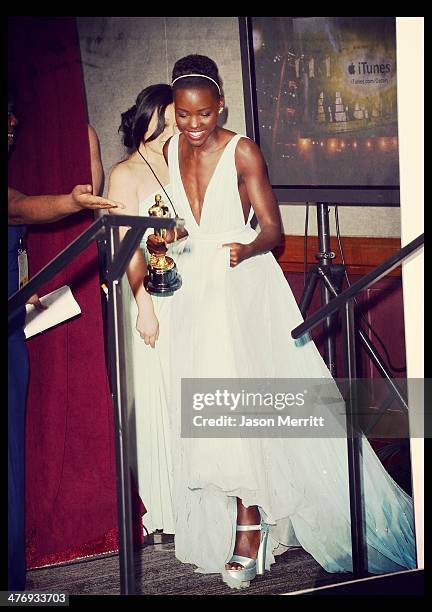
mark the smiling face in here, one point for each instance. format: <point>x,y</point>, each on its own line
<point>196,113</point>
<point>170,129</point>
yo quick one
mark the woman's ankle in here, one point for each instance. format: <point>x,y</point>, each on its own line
<point>247,516</point>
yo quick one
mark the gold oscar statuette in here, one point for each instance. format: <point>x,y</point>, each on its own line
<point>162,277</point>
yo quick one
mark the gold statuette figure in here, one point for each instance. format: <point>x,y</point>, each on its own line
<point>162,277</point>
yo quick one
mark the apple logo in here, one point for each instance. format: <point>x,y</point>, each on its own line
<point>351,68</point>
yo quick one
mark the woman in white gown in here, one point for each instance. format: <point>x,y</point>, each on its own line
<point>146,127</point>
<point>232,318</point>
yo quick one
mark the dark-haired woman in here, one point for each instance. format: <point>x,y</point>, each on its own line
<point>136,180</point>
<point>232,319</point>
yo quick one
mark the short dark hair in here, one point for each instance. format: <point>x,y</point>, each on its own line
<point>135,121</point>
<point>196,64</point>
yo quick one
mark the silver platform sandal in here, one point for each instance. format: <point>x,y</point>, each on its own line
<point>251,567</point>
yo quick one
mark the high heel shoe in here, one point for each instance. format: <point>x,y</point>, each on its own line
<point>251,567</point>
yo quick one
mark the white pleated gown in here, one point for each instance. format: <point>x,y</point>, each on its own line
<point>236,323</point>
<point>148,381</point>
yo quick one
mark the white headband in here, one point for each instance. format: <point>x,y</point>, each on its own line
<point>204,76</point>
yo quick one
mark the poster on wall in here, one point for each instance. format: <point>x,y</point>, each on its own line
<point>326,101</point>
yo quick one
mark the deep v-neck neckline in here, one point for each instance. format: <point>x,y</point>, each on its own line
<point>208,184</point>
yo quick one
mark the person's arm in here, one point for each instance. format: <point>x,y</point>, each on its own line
<point>252,171</point>
<point>122,185</point>
<point>97,171</point>
<point>24,209</point>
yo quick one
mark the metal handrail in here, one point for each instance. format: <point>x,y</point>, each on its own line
<point>344,303</point>
<point>96,230</point>
<point>117,263</point>
<point>366,281</point>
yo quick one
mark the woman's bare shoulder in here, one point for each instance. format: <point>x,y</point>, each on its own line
<point>128,170</point>
<point>248,152</point>
<point>247,146</point>
<point>121,169</point>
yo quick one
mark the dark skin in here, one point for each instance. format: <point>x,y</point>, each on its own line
<point>201,145</point>
<point>196,114</point>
